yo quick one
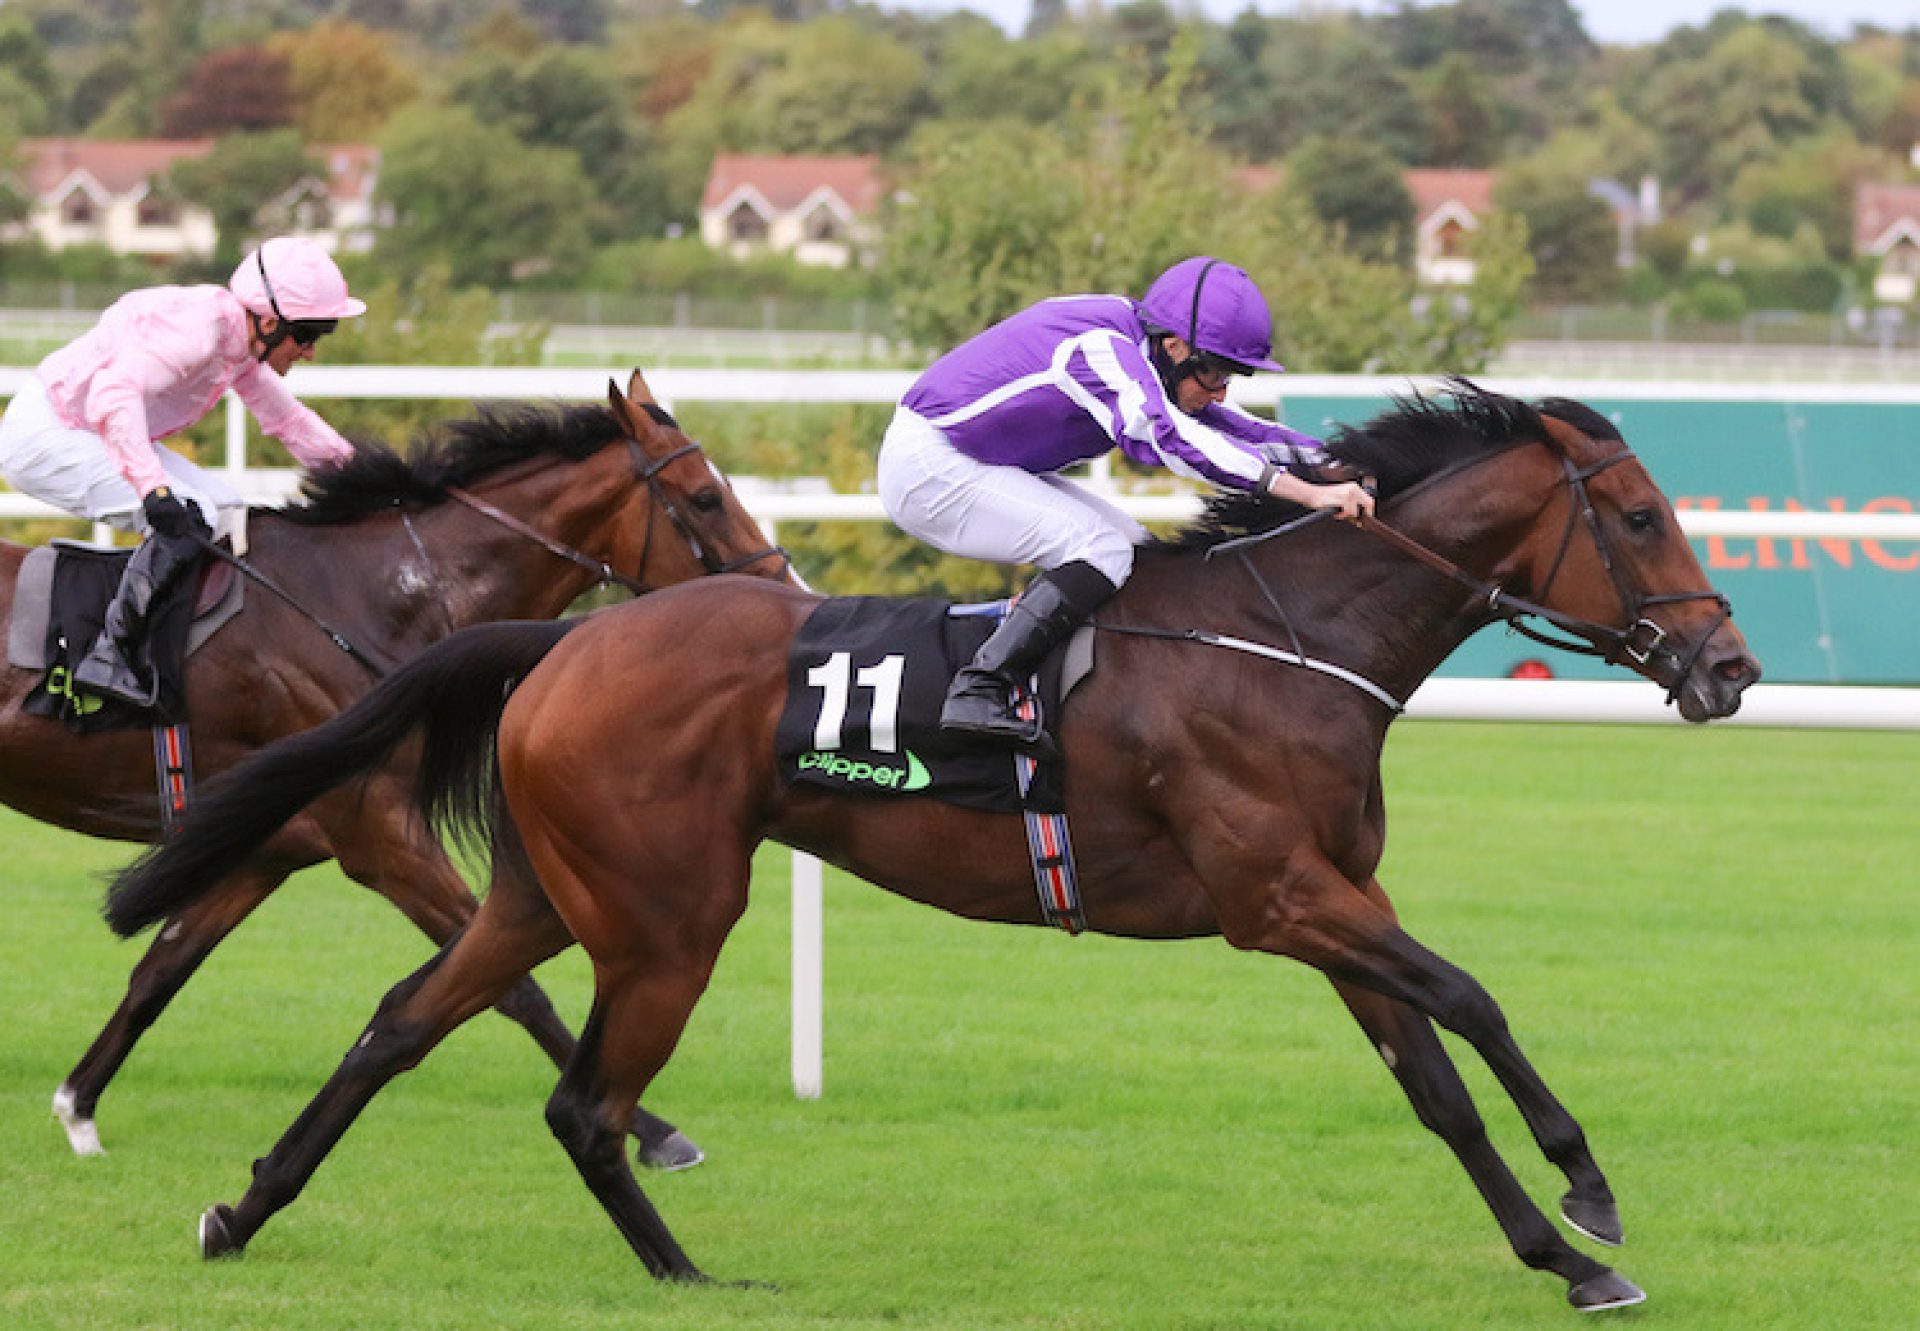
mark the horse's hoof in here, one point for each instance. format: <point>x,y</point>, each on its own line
<point>82,1135</point>
<point>216,1233</point>
<point>1609,1289</point>
<point>1598,1220</point>
<point>671,1153</point>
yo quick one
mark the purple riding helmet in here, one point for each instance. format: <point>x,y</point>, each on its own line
<point>1216,308</point>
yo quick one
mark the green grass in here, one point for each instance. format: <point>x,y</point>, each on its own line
<point>1706,940</point>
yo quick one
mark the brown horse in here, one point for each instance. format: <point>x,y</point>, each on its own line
<point>1212,791</point>
<point>380,554</point>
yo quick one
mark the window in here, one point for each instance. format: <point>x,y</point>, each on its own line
<point>823,224</point>
<point>155,210</point>
<point>1902,259</point>
<point>1451,240</point>
<point>77,209</point>
<point>743,223</point>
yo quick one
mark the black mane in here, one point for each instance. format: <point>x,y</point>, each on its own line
<point>460,452</point>
<point>1416,438</point>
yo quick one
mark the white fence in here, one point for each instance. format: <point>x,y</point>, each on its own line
<point>1622,701</point>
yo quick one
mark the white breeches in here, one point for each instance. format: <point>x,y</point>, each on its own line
<point>982,511</point>
<point>72,470</point>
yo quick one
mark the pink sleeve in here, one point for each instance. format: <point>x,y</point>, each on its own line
<point>117,404</point>
<point>310,439</point>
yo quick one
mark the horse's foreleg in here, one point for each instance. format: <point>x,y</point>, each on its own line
<point>1394,985</point>
<point>179,947</point>
<point>410,871</point>
<point>514,931</point>
<point>1588,1205</point>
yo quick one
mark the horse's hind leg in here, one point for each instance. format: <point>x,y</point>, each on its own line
<point>179,947</point>
<point>391,854</point>
<point>514,931</point>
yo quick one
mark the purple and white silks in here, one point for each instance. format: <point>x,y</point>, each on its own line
<point>1069,379</point>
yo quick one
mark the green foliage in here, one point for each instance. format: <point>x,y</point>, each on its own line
<point>1571,233</point>
<point>240,175</point>
<point>1359,190</point>
<point>1126,185</point>
<point>1811,182</point>
<point>687,265</point>
<point>490,208</point>
<point>1466,117</point>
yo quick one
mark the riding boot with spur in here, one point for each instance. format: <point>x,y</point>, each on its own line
<point>119,666</point>
<point>980,702</point>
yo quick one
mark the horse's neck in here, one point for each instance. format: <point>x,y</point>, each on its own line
<point>1346,597</point>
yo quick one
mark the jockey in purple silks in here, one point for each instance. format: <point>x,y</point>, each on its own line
<point>82,433</point>
<point>970,463</point>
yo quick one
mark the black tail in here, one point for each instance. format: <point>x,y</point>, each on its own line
<point>456,690</point>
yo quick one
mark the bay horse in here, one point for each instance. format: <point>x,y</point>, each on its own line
<point>1213,790</point>
<point>492,520</point>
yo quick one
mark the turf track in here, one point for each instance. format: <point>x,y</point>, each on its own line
<point>1707,941</point>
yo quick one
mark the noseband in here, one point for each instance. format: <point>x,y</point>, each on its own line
<point>1640,641</point>
<point>647,471</point>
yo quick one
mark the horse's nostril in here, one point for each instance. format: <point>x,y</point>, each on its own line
<point>1735,669</point>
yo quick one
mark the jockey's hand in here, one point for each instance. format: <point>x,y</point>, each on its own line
<point>1349,499</point>
<point>170,515</point>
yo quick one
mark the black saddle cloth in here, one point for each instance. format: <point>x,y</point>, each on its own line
<point>866,678</point>
<point>84,582</point>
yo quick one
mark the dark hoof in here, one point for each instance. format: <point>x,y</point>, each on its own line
<point>1609,1289</point>
<point>673,1152</point>
<point>1598,1220</point>
<point>216,1234</point>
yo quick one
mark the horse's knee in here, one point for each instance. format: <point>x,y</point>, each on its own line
<point>527,1003</point>
<point>578,1128</point>
<point>1464,1007</point>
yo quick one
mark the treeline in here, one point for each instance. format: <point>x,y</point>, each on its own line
<point>559,143</point>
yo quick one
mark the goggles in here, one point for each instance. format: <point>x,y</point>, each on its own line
<point>308,331</point>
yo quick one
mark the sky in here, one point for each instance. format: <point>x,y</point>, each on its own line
<point>1627,22</point>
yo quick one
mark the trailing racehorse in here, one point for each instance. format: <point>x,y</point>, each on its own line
<point>512,514</point>
<point>1213,789</point>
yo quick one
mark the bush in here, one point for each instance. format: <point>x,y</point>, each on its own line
<point>1712,300</point>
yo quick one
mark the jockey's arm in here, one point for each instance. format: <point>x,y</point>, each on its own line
<point>307,436</point>
<point>1349,499</point>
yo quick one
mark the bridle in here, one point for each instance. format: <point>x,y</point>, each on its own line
<point>1639,642</point>
<point>647,471</point>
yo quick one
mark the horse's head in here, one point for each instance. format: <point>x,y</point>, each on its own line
<point>1606,552</point>
<point>684,518</point>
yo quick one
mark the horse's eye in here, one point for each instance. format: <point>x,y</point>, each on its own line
<point>709,501</point>
<point>1643,520</point>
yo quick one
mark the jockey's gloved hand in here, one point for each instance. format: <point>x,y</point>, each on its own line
<point>170,515</point>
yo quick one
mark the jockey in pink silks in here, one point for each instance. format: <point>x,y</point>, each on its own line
<point>970,463</point>
<point>82,433</point>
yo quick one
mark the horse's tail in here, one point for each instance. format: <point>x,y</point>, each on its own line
<point>455,691</point>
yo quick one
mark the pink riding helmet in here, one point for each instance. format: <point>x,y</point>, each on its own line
<point>1213,307</point>
<point>293,278</point>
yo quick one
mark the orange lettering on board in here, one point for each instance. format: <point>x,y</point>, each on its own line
<point>1839,550</point>
<point>1878,552</point>
<point>1717,555</point>
<point>1764,557</point>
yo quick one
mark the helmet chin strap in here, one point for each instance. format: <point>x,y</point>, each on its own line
<point>268,341</point>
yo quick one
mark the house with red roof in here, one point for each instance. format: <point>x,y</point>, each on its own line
<point>1447,208</point>
<point>1886,228</point>
<point>112,192</point>
<point>821,210</point>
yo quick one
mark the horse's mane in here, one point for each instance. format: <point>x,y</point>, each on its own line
<point>1418,437</point>
<point>458,452</point>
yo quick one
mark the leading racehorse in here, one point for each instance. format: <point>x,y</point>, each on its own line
<point>1223,778</point>
<point>511,514</point>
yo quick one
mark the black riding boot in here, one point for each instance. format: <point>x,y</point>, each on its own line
<point>119,665</point>
<point>1053,606</point>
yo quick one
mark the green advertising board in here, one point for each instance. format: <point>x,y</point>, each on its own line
<point>1815,611</point>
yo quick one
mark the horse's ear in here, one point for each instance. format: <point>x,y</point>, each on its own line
<point>637,390</point>
<point>622,412</point>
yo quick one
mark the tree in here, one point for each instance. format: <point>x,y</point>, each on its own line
<point>1811,182</point>
<point>1357,188</point>
<point>346,80</point>
<point>1465,118</point>
<point>242,174</point>
<point>235,90</point>
<point>1329,77</point>
<point>1733,105</point>
<point>1571,234</point>
<point>490,208</point>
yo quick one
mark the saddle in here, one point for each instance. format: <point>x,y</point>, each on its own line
<point>61,598</point>
<point>866,677</point>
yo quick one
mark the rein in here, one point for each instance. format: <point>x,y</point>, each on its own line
<point>605,573</point>
<point>1639,641</point>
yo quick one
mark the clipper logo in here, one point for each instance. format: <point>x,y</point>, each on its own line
<point>858,771</point>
